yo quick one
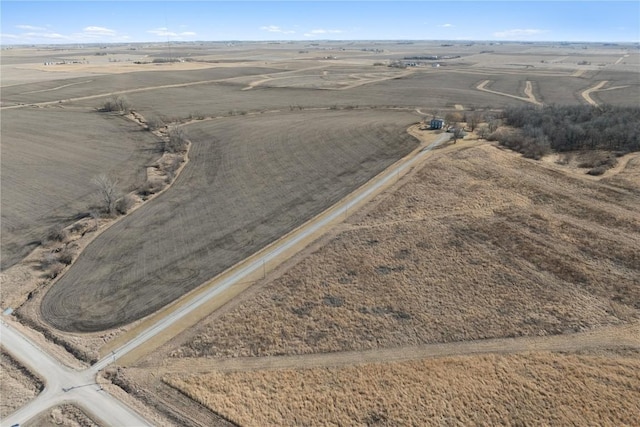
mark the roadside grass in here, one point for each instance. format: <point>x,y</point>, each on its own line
<point>17,385</point>
<point>524,389</point>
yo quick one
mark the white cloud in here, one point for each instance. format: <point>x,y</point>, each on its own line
<point>276,29</point>
<point>165,32</point>
<point>518,33</point>
<point>99,30</point>
<point>320,31</point>
<point>88,34</point>
<point>30,28</point>
<point>446,25</point>
<point>54,36</point>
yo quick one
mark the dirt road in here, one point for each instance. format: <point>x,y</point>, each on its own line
<point>597,88</point>
<point>625,336</point>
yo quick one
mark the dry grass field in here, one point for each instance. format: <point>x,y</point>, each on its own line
<point>479,243</point>
<point>521,389</point>
<point>17,385</point>
<point>66,415</point>
<point>249,181</point>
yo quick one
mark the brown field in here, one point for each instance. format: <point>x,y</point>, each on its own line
<point>523,389</point>
<point>249,181</point>
<point>47,169</point>
<point>479,243</point>
<point>17,385</point>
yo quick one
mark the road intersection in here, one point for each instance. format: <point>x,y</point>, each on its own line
<point>63,384</point>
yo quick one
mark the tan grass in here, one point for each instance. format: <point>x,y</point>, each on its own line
<point>524,389</point>
<point>17,385</point>
<point>66,415</point>
<point>478,244</point>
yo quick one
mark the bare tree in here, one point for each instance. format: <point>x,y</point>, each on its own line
<point>177,140</point>
<point>117,103</point>
<point>484,132</point>
<point>107,192</point>
<point>474,120</point>
<point>458,133</point>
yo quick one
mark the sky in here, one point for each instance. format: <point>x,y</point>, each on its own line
<point>62,22</point>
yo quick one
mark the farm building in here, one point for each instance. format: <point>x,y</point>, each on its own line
<point>436,123</point>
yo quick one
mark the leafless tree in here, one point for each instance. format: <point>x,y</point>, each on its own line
<point>474,120</point>
<point>484,132</point>
<point>177,140</point>
<point>117,103</point>
<point>458,133</point>
<point>107,192</point>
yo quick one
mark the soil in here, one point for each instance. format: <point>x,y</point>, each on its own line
<point>273,172</point>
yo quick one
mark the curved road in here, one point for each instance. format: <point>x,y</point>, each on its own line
<point>66,385</point>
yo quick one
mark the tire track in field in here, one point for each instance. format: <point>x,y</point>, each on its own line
<point>56,88</point>
<point>610,337</point>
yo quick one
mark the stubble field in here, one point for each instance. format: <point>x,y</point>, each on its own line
<point>17,385</point>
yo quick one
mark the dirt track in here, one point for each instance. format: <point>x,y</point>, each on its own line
<point>611,337</point>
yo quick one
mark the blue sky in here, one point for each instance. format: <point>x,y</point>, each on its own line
<point>28,22</point>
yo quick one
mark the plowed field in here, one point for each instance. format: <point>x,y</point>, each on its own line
<point>250,180</point>
<point>49,157</point>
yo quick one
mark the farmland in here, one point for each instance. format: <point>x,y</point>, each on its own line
<point>250,180</point>
<point>511,284</point>
<point>17,385</point>
<point>47,172</point>
<point>478,244</point>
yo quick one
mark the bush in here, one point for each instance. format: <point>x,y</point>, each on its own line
<point>56,234</point>
<point>55,270</point>
<point>65,256</point>
<point>154,123</point>
<point>597,171</point>
<point>125,203</point>
<point>116,104</point>
<point>177,140</point>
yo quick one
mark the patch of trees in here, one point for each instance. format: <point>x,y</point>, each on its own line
<point>537,131</point>
<point>118,104</point>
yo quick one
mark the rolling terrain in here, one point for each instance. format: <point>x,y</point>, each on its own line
<point>250,180</point>
<point>481,287</point>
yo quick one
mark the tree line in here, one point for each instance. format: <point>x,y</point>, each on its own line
<point>536,131</point>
